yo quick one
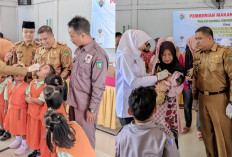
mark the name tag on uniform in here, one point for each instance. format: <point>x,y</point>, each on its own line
<point>88,58</point>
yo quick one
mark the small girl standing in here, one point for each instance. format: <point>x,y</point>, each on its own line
<point>35,100</point>
<point>15,120</point>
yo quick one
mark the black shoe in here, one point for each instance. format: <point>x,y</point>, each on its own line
<point>5,136</point>
<point>2,132</point>
<point>35,153</point>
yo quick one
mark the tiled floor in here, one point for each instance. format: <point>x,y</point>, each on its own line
<point>189,145</point>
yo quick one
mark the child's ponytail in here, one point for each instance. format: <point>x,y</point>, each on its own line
<point>59,132</point>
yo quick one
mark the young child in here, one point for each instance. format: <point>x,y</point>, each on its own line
<point>168,109</point>
<point>147,54</point>
<point>142,137</point>
<point>6,55</point>
<point>15,120</point>
<point>168,86</point>
<point>69,137</point>
<point>3,83</point>
<point>54,80</point>
<point>35,100</point>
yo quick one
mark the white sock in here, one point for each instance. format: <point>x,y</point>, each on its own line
<point>24,143</point>
<point>18,138</point>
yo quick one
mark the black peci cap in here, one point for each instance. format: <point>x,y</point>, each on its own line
<point>28,24</point>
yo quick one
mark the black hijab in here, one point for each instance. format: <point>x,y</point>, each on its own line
<point>188,60</point>
<point>174,65</point>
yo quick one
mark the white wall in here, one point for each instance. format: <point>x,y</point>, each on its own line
<point>61,12</point>
<point>8,19</point>
<point>155,16</point>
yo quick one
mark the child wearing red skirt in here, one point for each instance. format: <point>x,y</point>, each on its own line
<point>35,100</point>
<point>15,120</point>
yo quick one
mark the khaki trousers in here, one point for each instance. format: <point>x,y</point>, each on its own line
<point>216,127</point>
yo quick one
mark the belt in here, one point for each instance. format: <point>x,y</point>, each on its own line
<point>212,93</point>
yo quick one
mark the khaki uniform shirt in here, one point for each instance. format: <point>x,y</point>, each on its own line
<point>212,70</point>
<point>87,82</point>
<point>25,53</point>
<point>146,140</point>
<point>59,56</point>
<point>10,70</point>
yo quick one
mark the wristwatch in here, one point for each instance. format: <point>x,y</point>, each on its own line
<point>92,110</point>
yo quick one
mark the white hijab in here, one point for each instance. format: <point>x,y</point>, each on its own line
<point>131,41</point>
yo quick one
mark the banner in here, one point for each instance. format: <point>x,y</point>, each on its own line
<point>103,22</point>
<point>185,23</point>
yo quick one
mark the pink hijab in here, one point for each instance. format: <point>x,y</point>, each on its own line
<point>192,44</point>
<point>160,41</point>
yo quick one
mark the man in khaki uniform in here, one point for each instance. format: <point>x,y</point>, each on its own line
<point>5,55</point>
<point>25,50</point>
<point>212,79</point>
<point>54,53</point>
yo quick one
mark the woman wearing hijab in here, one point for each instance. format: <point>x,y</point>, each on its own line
<point>130,71</point>
<point>6,48</point>
<point>154,59</point>
<point>186,60</point>
<point>168,112</point>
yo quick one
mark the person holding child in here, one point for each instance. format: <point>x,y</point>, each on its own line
<point>168,111</point>
<point>130,71</point>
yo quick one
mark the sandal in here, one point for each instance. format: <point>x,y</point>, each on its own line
<point>2,132</point>
<point>199,136</point>
<point>186,130</point>
<point>5,136</point>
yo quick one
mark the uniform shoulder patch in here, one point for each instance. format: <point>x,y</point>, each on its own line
<point>99,64</point>
<point>66,53</point>
<point>19,42</point>
<point>230,57</point>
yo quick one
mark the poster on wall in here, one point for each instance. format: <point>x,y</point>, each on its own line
<point>185,23</point>
<point>103,22</point>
